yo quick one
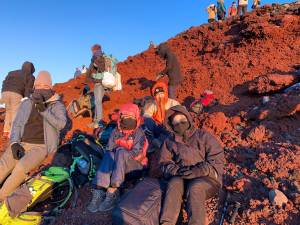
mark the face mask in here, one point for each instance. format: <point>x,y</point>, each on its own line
<point>128,124</point>
<point>181,128</point>
<point>44,94</point>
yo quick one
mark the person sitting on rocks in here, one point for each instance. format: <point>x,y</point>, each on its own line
<point>125,153</point>
<point>192,160</point>
<point>84,105</point>
<point>154,114</point>
<point>34,135</point>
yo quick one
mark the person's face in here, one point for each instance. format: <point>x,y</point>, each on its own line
<point>178,119</point>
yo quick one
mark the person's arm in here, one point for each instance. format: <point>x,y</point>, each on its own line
<point>138,145</point>
<point>58,117</point>
<point>29,82</point>
<point>111,142</point>
<point>166,163</point>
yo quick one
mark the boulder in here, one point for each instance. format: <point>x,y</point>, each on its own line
<point>277,198</point>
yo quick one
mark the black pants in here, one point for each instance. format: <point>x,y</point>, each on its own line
<point>197,190</point>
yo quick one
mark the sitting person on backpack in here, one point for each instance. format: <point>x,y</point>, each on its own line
<point>84,105</point>
<point>34,134</point>
<point>97,66</point>
<point>125,153</point>
<point>206,101</point>
<point>192,160</point>
<point>155,112</point>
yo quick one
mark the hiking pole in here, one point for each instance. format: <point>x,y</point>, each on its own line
<point>225,207</point>
<point>235,212</point>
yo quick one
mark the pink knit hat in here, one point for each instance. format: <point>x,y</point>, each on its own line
<point>43,80</point>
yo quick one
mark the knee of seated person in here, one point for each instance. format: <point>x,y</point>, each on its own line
<point>176,183</point>
<point>20,169</point>
<point>122,152</point>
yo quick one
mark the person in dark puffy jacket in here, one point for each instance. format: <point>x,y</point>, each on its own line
<point>193,161</point>
<point>125,153</point>
<point>16,85</point>
<point>172,70</point>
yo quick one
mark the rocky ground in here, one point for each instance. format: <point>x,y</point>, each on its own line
<point>241,60</point>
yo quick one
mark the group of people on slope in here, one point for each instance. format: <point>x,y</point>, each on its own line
<point>219,11</point>
<point>190,159</point>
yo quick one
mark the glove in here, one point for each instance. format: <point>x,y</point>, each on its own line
<point>17,151</point>
<point>170,170</point>
<point>40,107</point>
<point>156,143</point>
<point>199,170</point>
<point>184,171</point>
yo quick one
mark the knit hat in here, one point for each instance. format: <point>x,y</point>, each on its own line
<point>43,80</point>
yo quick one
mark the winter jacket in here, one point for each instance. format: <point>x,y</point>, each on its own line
<point>55,119</point>
<point>232,11</point>
<point>157,108</point>
<point>134,141</point>
<point>198,146</point>
<point>243,2</point>
<point>172,69</point>
<point>212,11</point>
<point>20,81</point>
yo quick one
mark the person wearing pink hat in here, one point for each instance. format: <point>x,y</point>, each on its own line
<point>34,134</point>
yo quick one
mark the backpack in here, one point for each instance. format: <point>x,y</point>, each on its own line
<point>38,198</point>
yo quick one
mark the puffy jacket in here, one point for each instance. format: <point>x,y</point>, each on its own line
<point>198,146</point>
<point>20,81</point>
<point>55,119</point>
<point>172,69</point>
<point>157,108</point>
<point>134,141</point>
<point>232,11</point>
<point>212,11</point>
<point>97,66</point>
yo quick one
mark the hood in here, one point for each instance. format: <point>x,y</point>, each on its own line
<point>163,50</point>
<point>160,85</point>
<point>179,109</point>
<point>54,98</point>
<point>28,68</point>
<point>130,109</point>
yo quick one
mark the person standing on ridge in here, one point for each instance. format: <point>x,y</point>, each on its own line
<point>256,4</point>
<point>34,135</point>
<point>221,10</point>
<point>232,10</point>
<point>172,70</point>
<point>16,85</point>
<point>97,66</point>
<point>212,11</point>
<point>242,8</point>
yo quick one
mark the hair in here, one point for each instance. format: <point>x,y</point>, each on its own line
<point>96,47</point>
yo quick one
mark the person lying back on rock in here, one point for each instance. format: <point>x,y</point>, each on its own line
<point>193,161</point>
<point>34,134</point>
<point>126,153</point>
<point>155,113</point>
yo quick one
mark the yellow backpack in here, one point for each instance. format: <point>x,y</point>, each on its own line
<point>53,187</point>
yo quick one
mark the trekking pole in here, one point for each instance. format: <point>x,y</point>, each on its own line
<point>235,213</point>
<point>225,207</point>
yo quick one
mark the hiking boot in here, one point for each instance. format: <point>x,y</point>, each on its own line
<point>110,201</point>
<point>98,197</point>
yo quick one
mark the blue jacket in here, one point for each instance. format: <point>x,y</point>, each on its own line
<point>55,119</point>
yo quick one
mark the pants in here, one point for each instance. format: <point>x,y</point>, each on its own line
<point>198,190</point>
<point>242,9</point>
<point>172,91</point>
<point>12,101</point>
<point>99,94</point>
<point>211,20</point>
<point>35,154</point>
<point>114,167</point>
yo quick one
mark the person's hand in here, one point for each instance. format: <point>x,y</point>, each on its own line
<point>17,151</point>
<point>196,171</point>
<point>156,143</point>
<point>40,107</point>
<point>184,171</point>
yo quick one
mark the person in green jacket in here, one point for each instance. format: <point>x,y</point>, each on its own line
<point>221,10</point>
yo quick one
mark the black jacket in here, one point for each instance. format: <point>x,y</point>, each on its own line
<point>172,65</point>
<point>20,81</point>
<point>198,146</point>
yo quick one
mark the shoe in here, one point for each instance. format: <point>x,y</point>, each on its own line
<point>110,201</point>
<point>98,196</point>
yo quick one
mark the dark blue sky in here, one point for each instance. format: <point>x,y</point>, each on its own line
<point>56,35</point>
